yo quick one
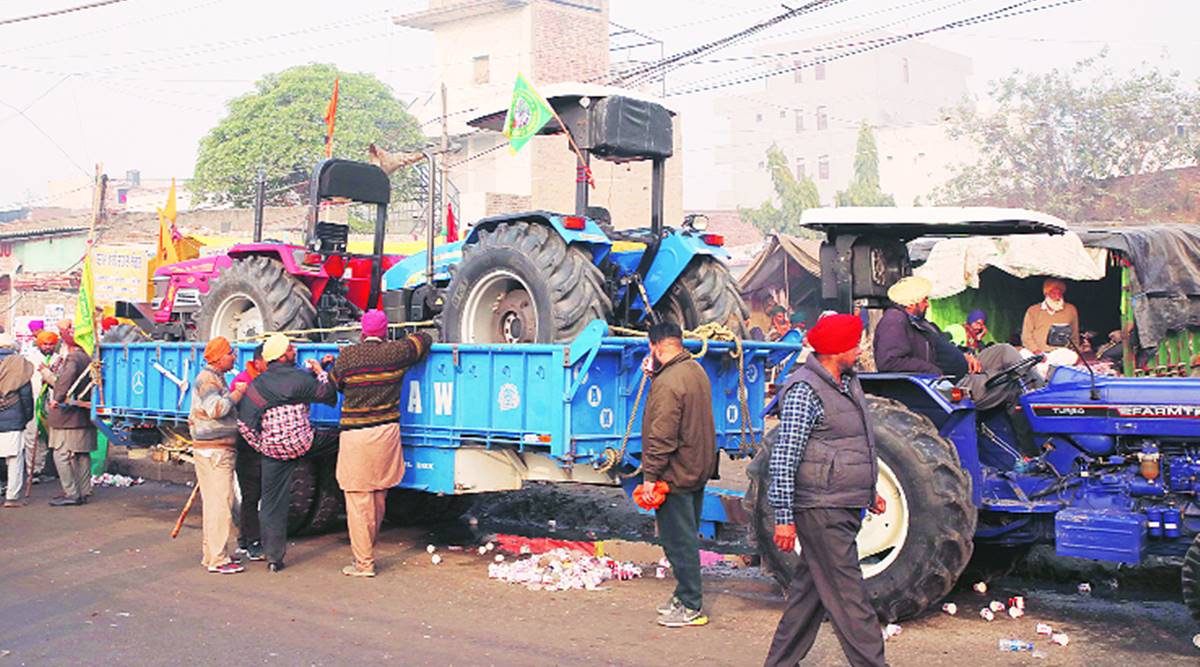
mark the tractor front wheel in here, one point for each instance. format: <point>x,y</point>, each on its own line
<point>521,283</point>
<point>255,295</point>
<point>1191,578</point>
<point>912,554</point>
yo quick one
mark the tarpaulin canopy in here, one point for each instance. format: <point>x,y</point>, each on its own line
<point>766,272</point>
<point>1166,274</point>
<point>954,264</point>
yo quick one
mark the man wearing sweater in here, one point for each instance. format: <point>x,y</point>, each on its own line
<point>370,460</point>
<point>1041,316</point>
<point>213,424</point>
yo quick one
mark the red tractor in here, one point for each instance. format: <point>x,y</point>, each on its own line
<point>267,286</point>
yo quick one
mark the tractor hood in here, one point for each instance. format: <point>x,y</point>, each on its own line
<point>907,223</point>
<point>1159,407</point>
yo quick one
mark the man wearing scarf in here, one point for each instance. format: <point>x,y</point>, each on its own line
<point>16,410</point>
<point>72,435</point>
<point>370,460</point>
<point>213,425</point>
<point>1041,316</point>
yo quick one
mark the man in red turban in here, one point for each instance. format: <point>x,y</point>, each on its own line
<point>823,472</point>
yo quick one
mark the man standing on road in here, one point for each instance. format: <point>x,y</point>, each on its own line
<point>249,473</point>
<point>41,354</point>
<point>679,449</point>
<point>72,435</point>
<point>273,417</point>
<point>16,410</point>
<point>823,472</point>
<point>370,460</point>
<point>213,425</point>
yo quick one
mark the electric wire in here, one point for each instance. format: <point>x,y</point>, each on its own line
<point>59,12</point>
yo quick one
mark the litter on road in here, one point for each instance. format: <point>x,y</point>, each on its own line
<point>112,479</point>
<point>950,608</point>
<point>561,569</point>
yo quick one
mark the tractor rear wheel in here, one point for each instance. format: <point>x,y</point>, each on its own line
<point>124,333</point>
<point>255,295</point>
<point>1191,578</point>
<point>304,496</point>
<point>705,293</point>
<point>912,554</point>
<point>521,283</point>
<point>328,502</point>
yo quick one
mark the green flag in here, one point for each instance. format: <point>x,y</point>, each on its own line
<point>527,114</point>
<point>85,313</point>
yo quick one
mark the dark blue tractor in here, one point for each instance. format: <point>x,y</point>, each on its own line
<point>1116,476</point>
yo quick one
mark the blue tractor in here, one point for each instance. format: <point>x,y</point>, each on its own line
<point>1116,476</point>
<point>542,277</point>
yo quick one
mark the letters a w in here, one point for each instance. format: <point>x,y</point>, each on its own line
<point>443,398</point>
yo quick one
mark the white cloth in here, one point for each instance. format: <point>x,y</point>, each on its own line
<point>12,443</point>
<point>955,264</point>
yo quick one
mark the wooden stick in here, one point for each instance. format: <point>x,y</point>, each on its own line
<point>186,508</point>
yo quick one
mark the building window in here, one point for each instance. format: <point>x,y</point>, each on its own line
<point>819,71</point>
<point>823,167</point>
<point>483,69</point>
<point>799,120</point>
<point>904,69</point>
<point>822,118</point>
<point>758,118</point>
<point>798,72</point>
<point>801,170</point>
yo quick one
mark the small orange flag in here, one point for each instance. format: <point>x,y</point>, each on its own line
<point>330,118</point>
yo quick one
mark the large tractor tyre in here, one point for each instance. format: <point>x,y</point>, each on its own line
<point>521,283</point>
<point>703,294</point>
<point>1191,578</point>
<point>303,498</point>
<point>409,507</point>
<point>124,333</point>
<point>329,503</point>
<point>911,555</point>
<point>253,296</point>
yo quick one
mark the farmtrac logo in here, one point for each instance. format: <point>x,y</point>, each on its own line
<point>1119,411</point>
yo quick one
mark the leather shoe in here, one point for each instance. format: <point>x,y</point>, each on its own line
<point>65,502</point>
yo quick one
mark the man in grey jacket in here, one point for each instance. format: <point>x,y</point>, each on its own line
<point>823,471</point>
<point>213,424</point>
<point>72,435</point>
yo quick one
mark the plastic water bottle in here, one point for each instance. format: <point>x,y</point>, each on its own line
<point>1014,645</point>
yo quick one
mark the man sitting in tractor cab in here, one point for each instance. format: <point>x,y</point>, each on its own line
<point>906,342</point>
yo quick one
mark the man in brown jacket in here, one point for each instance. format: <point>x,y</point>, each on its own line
<point>72,435</point>
<point>679,447</point>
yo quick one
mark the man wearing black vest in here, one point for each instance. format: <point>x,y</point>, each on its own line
<point>823,472</point>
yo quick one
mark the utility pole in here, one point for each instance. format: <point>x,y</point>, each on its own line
<point>445,164</point>
<point>260,201</point>
<point>99,186</point>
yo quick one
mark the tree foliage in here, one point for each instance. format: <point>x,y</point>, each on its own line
<point>864,189</point>
<point>280,126</point>
<point>1057,141</point>
<point>793,195</point>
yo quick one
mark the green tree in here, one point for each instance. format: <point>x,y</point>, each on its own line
<point>1056,141</point>
<point>864,188</point>
<point>793,194</point>
<point>280,126</point>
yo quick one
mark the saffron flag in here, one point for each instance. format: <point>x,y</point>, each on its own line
<point>85,308</point>
<point>168,236</point>
<point>527,114</point>
<point>330,118</point>
<point>451,224</point>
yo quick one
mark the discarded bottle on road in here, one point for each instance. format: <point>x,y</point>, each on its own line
<point>950,608</point>
<point>1014,645</point>
<point>987,614</point>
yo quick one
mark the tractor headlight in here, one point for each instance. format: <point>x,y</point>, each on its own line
<point>696,222</point>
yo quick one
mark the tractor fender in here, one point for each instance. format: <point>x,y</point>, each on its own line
<point>291,256</point>
<point>675,253</point>
<point>591,236</point>
<point>955,422</point>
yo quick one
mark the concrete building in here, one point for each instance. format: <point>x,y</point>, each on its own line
<point>129,193</point>
<point>481,46</point>
<point>814,113</point>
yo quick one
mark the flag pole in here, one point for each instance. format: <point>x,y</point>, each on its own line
<point>587,169</point>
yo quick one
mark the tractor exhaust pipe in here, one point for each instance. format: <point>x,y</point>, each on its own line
<point>433,213</point>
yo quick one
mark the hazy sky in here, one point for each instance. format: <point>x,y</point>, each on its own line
<point>137,84</point>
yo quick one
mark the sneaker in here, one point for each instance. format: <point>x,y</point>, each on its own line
<point>668,606</point>
<point>682,617</point>
<point>254,551</point>
<point>353,571</point>
<point>228,568</point>
<point>65,502</point>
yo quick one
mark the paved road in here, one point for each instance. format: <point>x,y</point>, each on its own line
<point>104,582</point>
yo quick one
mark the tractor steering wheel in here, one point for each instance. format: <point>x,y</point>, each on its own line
<point>1013,372</point>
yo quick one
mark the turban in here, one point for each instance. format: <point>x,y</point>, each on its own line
<point>36,326</point>
<point>976,316</point>
<point>47,338</point>
<point>108,323</point>
<point>775,310</point>
<point>910,291</point>
<point>374,324</point>
<point>216,349</point>
<point>1053,282</point>
<point>798,317</point>
<point>835,334</point>
<point>275,346</point>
